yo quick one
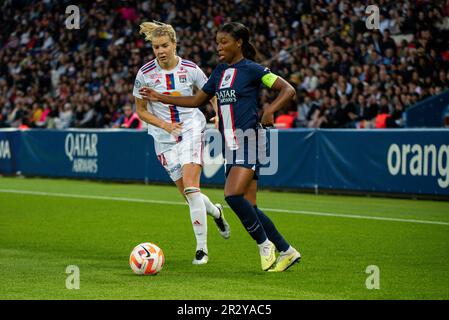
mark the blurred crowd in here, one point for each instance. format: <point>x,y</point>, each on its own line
<point>346,76</point>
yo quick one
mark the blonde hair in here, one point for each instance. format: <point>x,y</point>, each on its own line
<point>157,29</point>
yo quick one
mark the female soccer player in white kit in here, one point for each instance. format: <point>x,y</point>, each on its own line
<point>178,132</point>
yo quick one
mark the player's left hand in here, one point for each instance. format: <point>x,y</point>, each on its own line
<point>215,120</point>
<point>267,119</point>
<point>149,94</point>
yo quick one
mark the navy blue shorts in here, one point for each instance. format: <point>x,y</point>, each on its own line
<point>251,152</point>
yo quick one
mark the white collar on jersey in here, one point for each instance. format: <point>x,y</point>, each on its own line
<point>171,70</point>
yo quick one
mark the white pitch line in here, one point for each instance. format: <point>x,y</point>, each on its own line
<point>82,196</point>
<point>314,213</point>
<point>354,216</point>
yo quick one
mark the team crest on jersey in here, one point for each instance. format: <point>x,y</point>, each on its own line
<point>182,78</point>
<point>137,84</point>
<point>227,78</point>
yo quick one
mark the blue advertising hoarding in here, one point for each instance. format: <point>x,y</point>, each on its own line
<point>95,154</point>
<point>404,161</point>
<point>9,150</point>
<point>411,161</point>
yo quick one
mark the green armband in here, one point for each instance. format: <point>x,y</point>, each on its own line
<point>269,79</point>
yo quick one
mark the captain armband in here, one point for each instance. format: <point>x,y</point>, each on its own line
<point>269,79</point>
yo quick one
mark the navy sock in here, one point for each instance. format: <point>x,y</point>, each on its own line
<point>271,231</point>
<point>248,216</point>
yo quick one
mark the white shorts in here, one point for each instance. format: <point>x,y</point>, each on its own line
<point>174,156</point>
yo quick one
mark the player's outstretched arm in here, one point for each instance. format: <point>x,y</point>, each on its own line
<point>182,101</point>
<point>214,104</point>
<point>286,94</point>
<point>148,117</point>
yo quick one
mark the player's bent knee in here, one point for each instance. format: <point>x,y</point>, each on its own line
<point>191,181</point>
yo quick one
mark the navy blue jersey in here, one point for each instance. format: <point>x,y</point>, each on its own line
<point>237,89</point>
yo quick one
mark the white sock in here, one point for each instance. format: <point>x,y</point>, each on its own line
<point>264,248</point>
<point>211,209</point>
<point>288,251</point>
<point>198,216</point>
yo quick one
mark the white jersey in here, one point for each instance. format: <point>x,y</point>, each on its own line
<point>177,82</point>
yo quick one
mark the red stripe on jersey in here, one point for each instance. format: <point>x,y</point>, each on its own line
<point>233,79</point>
<point>231,109</point>
<point>221,79</point>
<point>148,70</point>
<point>148,64</point>
<point>169,82</point>
<point>172,114</point>
<point>148,67</point>
<point>152,61</point>
<point>202,149</point>
<point>188,66</point>
<point>220,117</point>
<point>189,62</point>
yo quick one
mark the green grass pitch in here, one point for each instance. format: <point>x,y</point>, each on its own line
<point>79,223</point>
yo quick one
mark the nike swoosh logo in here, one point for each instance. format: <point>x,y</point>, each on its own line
<point>148,252</point>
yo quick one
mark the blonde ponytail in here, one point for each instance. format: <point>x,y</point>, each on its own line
<point>157,29</point>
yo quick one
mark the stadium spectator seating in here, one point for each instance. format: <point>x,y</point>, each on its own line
<point>54,77</point>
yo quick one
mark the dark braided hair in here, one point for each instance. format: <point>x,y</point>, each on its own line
<point>239,31</point>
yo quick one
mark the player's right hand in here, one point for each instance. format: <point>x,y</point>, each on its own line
<point>215,120</point>
<point>149,94</point>
<point>174,129</point>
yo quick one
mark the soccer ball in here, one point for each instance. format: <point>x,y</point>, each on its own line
<point>146,258</point>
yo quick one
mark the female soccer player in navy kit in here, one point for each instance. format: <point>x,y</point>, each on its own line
<point>236,83</point>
